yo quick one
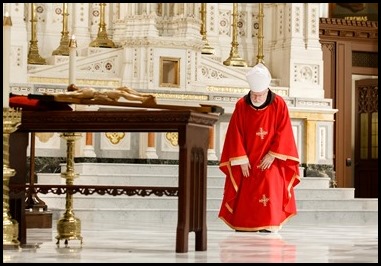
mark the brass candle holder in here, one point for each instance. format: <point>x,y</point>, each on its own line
<point>206,49</point>
<point>102,39</point>
<point>260,55</point>
<point>11,120</point>
<point>33,54</point>
<point>234,59</point>
<point>63,48</point>
<point>69,227</point>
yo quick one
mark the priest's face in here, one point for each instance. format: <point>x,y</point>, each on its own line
<point>258,98</point>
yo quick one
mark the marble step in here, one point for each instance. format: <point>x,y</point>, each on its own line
<point>153,202</point>
<point>169,216</point>
<point>318,189</point>
<point>124,168</point>
<point>134,170</point>
<point>316,201</point>
<point>303,193</point>
<point>157,179</point>
<point>164,209</point>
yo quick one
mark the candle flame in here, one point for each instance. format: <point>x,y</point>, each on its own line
<point>72,42</point>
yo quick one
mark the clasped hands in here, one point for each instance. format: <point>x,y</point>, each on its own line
<point>264,164</point>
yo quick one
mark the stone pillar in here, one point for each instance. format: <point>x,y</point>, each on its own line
<point>88,150</point>
<point>324,10</point>
<point>148,8</point>
<point>211,150</point>
<point>121,10</point>
<point>131,10</point>
<point>296,60</point>
<point>312,28</point>
<point>151,146</point>
<point>94,19</point>
<point>79,21</point>
<point>310,150</point>
<point>19,43</point>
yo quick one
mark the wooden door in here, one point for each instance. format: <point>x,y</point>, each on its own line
<point>366,139</point>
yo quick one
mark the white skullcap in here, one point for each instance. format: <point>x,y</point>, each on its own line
<point>259,78</point>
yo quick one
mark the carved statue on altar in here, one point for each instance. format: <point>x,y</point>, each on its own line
<point>92,96</point>
<point>109,95</point>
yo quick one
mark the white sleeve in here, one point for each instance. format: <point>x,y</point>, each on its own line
<point>239,161</point>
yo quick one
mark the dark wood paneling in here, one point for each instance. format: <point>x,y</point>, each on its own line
<point>339,38</point>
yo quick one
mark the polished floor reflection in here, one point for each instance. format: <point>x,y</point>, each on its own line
<point>155,243</point>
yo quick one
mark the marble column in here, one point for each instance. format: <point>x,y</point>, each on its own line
<point>88,150</point>
<point>79,21</point>
<point>151,146</point>
<point>211,151</point>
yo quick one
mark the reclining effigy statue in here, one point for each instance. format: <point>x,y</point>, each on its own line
<point>109,95</point>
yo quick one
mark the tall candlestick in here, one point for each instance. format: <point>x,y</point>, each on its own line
<point>7,23</point>
<point>72,59</point>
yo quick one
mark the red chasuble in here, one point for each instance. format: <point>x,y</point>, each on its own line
<point>265,199</point>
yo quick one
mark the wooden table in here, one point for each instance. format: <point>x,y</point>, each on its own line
<point>193,131</point>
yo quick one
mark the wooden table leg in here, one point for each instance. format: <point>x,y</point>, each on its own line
<point>18,143</point>
<point>199,163</point>
<point>192,188</point>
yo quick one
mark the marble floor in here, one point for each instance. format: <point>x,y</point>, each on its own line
<point>155,243</point>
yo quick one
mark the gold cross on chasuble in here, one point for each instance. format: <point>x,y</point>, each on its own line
<point>261,133</point>
<point>264,200</point>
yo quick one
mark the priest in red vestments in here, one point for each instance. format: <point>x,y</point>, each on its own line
<point>260,160</point>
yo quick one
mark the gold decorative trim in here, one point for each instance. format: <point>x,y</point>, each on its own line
<point>173,138</point>
<point>181,96</point>
<point>312,116</point>
<point>227,89</point>
<point>115,137</point>
<point>87,82</point>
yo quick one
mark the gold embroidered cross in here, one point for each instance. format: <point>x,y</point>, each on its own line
<point>261,133</point>
<point>264,200</point>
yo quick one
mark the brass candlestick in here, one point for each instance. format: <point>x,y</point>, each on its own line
<point>206,49</point>
<point>102,39</point>
<point>234,59</point>
<point>260,55</point>
<point>11,120</point>
<point>33,55</point>
<point>63,49</point>
<point>69,227</point>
